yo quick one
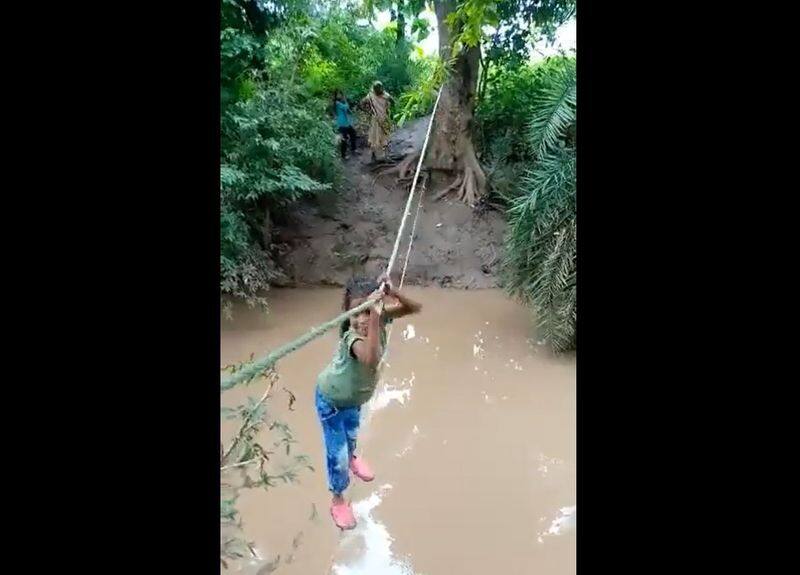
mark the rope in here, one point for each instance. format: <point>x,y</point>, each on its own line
<point>411,237</point>
<point>405,266</point>
<point>251,370</point>
<point>413,185</point>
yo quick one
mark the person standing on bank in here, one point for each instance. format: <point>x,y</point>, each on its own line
<point>344,123</point>
<point>377,103</point>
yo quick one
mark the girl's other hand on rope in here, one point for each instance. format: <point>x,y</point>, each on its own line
<point>385,282</point>
<point>403,307</point>
<point>377,309</point>
<point>378,295</point>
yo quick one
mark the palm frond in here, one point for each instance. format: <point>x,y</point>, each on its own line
<point>554,111</point>
<point>541,244</point>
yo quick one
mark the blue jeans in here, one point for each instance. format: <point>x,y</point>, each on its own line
<point>339,430</point>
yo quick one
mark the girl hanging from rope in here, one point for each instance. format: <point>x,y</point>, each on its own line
<point>349,381</point>
<point>377,104</point>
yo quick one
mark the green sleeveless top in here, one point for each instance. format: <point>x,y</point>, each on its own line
<point>346,382</point>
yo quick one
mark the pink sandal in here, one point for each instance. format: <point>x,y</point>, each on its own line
<point>342,515</point>
<point>360,469</point>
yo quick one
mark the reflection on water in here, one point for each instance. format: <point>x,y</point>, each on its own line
<point>370,543</point>
<point>481,451</point>
<point>386,393</point>
<point>410,442</point>
<point>563,522</point>
<point>547,463</point>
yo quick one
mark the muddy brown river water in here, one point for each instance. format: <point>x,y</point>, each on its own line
<point>471,434</point>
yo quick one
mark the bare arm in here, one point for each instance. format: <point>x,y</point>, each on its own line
<point>368,351</point>
<point>404,305</point>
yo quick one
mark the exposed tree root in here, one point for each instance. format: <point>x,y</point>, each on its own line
<point>470,184</point>
<point>409,164</point>
<point>457,183</point>
<point>404,169</point>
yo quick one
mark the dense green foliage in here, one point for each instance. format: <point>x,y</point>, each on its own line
<point>509,99</point>
<point>532,172</point>
<point>279,67</point>
<point>513,25</point>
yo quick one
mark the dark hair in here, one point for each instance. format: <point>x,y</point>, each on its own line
<point>357,287</point>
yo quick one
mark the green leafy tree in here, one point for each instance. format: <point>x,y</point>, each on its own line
<point>276,144</point>
<point>461,28</point>
<point>400,13</point>
<point>541,245</point>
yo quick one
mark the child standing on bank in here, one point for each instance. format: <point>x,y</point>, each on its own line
<point>349,381</point>
<point>344,123</point>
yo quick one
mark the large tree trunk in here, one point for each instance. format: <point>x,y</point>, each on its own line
<point>401,23</point>
<point>450,146</point>
<point>401,28</point>
<point>254,15</point>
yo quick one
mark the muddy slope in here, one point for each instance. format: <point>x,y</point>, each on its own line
<point>327,240</point>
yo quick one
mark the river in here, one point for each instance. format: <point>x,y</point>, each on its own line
<point>471,434</point>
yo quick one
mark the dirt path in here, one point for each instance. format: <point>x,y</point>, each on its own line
<point>327,240</point>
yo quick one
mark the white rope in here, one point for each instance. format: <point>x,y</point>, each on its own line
<point>403,276</point>
<point>403,222</point>
<point>413,185</point>
<point>411,237</point>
